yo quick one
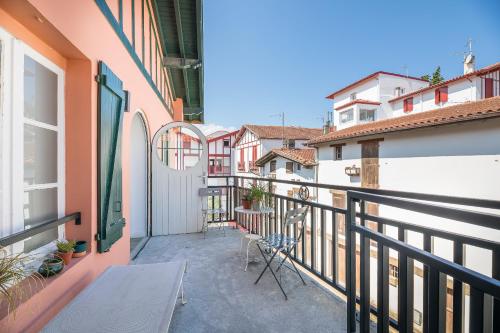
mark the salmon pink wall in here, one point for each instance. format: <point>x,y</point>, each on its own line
<point>76,35</point>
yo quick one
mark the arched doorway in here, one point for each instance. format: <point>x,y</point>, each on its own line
<point>139,158</point>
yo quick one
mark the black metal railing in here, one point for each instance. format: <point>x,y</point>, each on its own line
<point>330,231</point>
<point>38,229</point>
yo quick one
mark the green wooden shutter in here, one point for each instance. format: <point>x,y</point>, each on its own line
<point>111,107</point>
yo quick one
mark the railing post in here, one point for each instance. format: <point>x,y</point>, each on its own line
<point>496,302</point>
<point>351,263</point>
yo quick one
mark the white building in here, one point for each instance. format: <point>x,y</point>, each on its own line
<point>451,151</point>
<point>470,87</point>
<point>367,100</point>
<point>221,153</point>
<point>289,164</point>
<point>254,141</point>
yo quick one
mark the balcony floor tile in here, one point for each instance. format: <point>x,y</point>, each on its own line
<point>223,298</point>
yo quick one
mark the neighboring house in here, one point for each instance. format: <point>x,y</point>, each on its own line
<point>254,141</point>
<point>470,87</point>
<point>221,153</point>
<point>289,164</point>
<point>451,151</point>
<point>367,99</point>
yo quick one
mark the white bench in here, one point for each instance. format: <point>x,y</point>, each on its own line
<point>133,298</point>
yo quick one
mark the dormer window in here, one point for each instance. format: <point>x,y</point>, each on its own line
<point>398,91</point>
<point>346,116</point>
<point>353,97</point>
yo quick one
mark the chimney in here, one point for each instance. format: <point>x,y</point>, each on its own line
<point>469,62</point>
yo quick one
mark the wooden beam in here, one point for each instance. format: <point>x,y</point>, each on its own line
<point>180,36</point>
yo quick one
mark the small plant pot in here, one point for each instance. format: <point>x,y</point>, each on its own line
<point>80,249</point>
<point>256,205</point>
<point>51,266</point>
<point>65,256</point>
<point>247,204</point>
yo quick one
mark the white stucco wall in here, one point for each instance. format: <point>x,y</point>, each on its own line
<point>302,175</point>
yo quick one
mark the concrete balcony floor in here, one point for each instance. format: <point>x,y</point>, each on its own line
<point>223,298</point>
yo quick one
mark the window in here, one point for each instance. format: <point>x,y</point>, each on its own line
<point>225,143</point>
<point>289,167</point>
<point>398,91</point>
<point>488,87</point>
<point>353,96</point>
<point>299,166</point>
<point>408,105</point>
<point>33,136</point>
<point>337,153</point>
<point>346,116</point>
<point>241,163</point>
<point>291,143</point>
<point>366,115</point>
<point>272,166</point>
<point>441,95</point>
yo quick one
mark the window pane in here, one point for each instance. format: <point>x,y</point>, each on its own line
<point>40,92</point>
<point>179,148</point>
<point>40,155</point>
<point>39,206</point>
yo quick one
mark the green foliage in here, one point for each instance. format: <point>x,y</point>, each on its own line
<point>435,78</point>
<point>66,246</point>
<point>257,192</point>
<point>15,280</point>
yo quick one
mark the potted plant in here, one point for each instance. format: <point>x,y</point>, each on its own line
<point>80,249</point>
<point>257,193</point>
<point>65,250</point>
<point>15,279</point>
<point>51,266</point>
<point>246,201</point>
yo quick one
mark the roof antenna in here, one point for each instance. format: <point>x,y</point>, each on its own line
<point>469,58</point>
<point>282,116</point>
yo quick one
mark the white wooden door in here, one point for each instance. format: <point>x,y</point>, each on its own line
<point>179,166</point>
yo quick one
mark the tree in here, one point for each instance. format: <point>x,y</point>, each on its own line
<point>435,78</point>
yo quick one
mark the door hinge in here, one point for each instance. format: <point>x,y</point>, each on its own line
<point>97,237</point>
<point>100,78</point>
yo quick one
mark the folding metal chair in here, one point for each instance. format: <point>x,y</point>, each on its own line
<point>205,193</point>
<point>276,244</point>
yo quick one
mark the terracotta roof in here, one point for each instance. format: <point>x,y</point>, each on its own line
<point>304,156</point>
<point>487,108</point>
<point>358,101</point>
<point>366,78</point>
<point>219,135</point>
<point>276,132</point>
<point>481,71</point>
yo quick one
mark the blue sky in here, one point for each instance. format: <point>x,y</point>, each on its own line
<point>263,57</point>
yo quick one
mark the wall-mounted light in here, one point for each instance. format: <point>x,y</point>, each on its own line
<point>353,171</point>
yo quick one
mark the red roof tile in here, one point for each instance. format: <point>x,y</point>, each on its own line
<point>487,108</point>
<point>366,78</point>
<point>358,101</point>
<point>481,71</point>
<point>276,132</point>
<point>304,156</point>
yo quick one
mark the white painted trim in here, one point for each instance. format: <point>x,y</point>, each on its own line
<point>12,144</point>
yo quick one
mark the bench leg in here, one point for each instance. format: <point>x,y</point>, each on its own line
<point>183,300</point>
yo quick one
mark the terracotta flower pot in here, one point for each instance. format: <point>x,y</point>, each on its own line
<point>80,249</point>
<point>66,256</point>
<point>247,204</point>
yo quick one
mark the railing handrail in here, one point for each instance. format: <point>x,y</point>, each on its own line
<point>44,226</point>
<point>482,203</point>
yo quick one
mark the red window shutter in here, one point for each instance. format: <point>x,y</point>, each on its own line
<point>242,155</point>
<point>488,87</point>
<point>443,94</point>
<point>436,96</point>
<point>254,153</point>
<point>408,104</point>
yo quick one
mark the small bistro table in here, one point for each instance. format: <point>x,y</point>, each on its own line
<point>252,237</point>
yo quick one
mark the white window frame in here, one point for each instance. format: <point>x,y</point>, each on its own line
<point>351,111</point>
<point>13,121</point>
<point>367,110</point>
